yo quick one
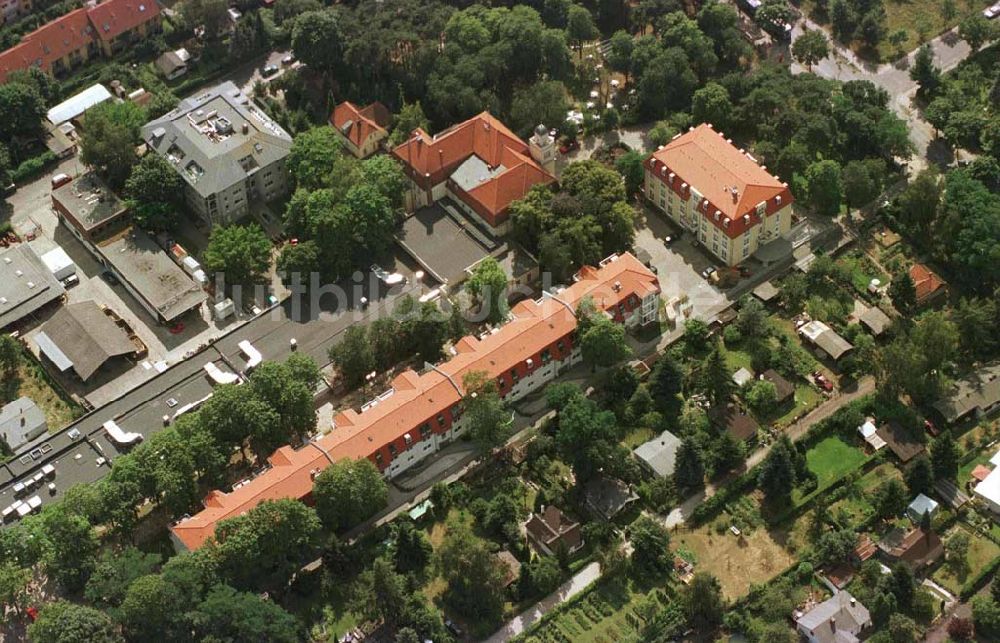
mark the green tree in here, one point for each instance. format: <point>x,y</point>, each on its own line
<point>10,364</point>
<point>292,400</point>
<point>810,48</point>
<point>973,318</point>
<point>23,108</point>
<point>353,356</point>
<point>920,476</point>
<point>948,10</point>
<point>115,572</point>
<point>902,585</point>
<point>986,616</point>
<point>890,499</point>
<point>380,593</point>
<point>715,378</point>
<point>903,293</point>
<point>543,102</point>
<point>236,416</point>
<point>650,543</point>
<point>488,284</point>
<point>833,547</point>
<point>313,156</point>
<point>631,166</point>
<point>65,622</point>
<point>826,191</point>
<point>702,602</point>
<point>903,629</point>
<point>412,549</point>
<point>154,181</point>
<point>109,139</point>
<point>349,492</point>
<point>580,27</point>
<point>603,342</point>
<point>473,575</point>
<point>385,174</point>
<point>944,456</point>
<point>14,581</point>
<point>264,547</point>
<point>711,104</point>
<point>777,475</point>
<point>241,253</point>
<point>689,470</point>
<point>925,73</point>
<point>153,607</point>
<point>761,396</point>
<point>68,544</point>
<point>410,117</point>
<point>317,40</point>
<point>897,39</point>
<point>587,438</point>
<point>228,615</point>
<point>488,420</point>
<point>859,185</point>
<point>976,29</point>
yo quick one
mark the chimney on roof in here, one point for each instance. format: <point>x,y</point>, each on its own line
<point>736,194</point>
<point>854,601</point>
<point>833,623</point>
<point>246,128</point>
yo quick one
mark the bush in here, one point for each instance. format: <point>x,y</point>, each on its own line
<point>732,335</point>
<point>32,167</point>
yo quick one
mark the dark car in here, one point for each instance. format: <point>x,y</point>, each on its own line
<point>110,277</point>
<point>453,628</point>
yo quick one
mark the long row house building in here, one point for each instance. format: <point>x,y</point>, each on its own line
<point>422,412</point>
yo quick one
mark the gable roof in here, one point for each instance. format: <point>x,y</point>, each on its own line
<point>75,31</point>
<point>916,547</point>
<point>430,160</point>
<point>112,18</point>
<point>782,387</point>
<point>729,180</point>
<point>357,124</point>
<point>979,392</point>
<point>925,281</point>
<point>660,453</point>
<point>836,619</point>
<point>901,441</point>
<point>85,336</point>
<point>415,398</point>
<point>551,526</point>
<point>734,420</point>
<point>876,320</point>
<point>19,420</point>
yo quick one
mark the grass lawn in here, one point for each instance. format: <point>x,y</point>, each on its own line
<point>737,561</point>
<point>58,411</point>
<point>737,359</point>
<point>857,505</point>
<point>637,436</point>
<point>981,552</point>
<point>806,397</point>
<point>863,270</point>
<point>832,458</point>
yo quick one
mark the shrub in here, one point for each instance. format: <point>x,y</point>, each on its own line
<point>32,167</point>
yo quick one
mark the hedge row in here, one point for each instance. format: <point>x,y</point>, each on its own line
<point>33,167</point>
<point>974,584</point>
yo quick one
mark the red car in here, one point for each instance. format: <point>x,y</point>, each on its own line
<point>568,147</point>
<point>822,382</point>
<point>930,428</point>
<point>177,328</point>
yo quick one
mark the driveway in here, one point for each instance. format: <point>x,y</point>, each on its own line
<point>566,591</point>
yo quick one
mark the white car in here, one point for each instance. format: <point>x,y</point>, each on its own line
<point>992,11</point>
<point>386,278</point>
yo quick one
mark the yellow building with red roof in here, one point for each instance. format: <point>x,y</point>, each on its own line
<point>719,193</point>
<point>421,412</point>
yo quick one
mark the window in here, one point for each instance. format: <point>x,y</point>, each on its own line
<point>440,419</point>
<point>546,356</point>
<point>560,346</point>
<point>456,412</point>
<point>392,449</point>
<point>425,429</point>
<point>513,375</point>
<point>378,457</point>
<point>746,251</point>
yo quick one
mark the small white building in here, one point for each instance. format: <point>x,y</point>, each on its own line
<point>75,106</point>
<point>59,263</point>
<point>989,489</point>
<point>921,505</point>
<point>869,433</point>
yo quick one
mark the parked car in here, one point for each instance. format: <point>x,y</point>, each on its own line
<point>269,70</point>
<point>992,11</point>
<point>110,277</point>
<point>60,180</point>
<point>453,628</point>
<point>568,147</point>
<point>288,60</point>
<point>708,272</point>
<point>822,382</point>
<point>931,428</point>
<point>70,281</point>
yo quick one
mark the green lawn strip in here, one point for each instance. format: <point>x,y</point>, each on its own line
<point>830,459</point>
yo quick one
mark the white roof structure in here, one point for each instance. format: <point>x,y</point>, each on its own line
<point>995,460</point>
<point>868,431</point>
<point>921,505</point>
<point>76,105</point>
<point>742,376</point>
<point>989,489</point>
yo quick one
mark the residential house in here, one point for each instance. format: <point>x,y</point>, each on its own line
<point>784,389</point>
<point>825,339</point>
<point>975,396</point>
<point>657,455</point>
<point>928,285</point>
<point>550,531</point>
<point>606,497</point>
<point>480,163</point>
<point>21,421</point>
<point>230,154</point>
<point>839,619</point>
<point>921,505</point>
<point>173,64</point>
<point>102,29</point>
<point>422,412</point>
<point>876,321</point>
<point>915,548</point>
<point>900,440</point>
<point>734,420</point>
<point>362,129</point>
<point>720,193</point>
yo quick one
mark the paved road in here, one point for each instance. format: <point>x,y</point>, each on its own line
<point>795,432</point>
<point>949,50</point>
<point>567,590</point>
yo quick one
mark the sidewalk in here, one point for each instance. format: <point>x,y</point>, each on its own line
<point>566,591</point>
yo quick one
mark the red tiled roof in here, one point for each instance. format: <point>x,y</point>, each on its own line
<point>925,281</point>
<point>49,43</point>
<point>418,398</point>
<point>112,18</point>
<point>429,160</point>
<point>705,161</point>
<point>980,472</point>
<point>363,122</point>
<point>76,31</point>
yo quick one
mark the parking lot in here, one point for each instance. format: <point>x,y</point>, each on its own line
<point>678,266</point>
